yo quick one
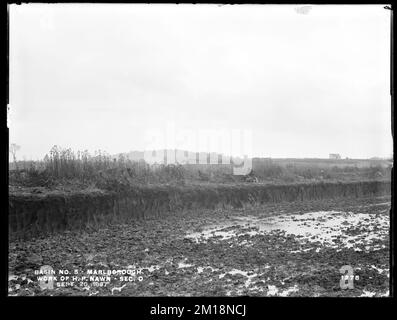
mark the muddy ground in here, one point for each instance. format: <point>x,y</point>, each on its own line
<point>284,249</point>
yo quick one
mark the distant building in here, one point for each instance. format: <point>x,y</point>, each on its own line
<point>334,156</point>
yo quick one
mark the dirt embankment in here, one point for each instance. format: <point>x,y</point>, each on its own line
<point>39,214</point>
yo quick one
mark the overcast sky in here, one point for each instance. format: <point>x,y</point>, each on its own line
<point>305,82</point>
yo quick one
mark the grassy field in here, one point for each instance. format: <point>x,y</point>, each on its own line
<point>66,168</point>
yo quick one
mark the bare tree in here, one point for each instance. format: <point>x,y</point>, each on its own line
<point>13,150</point>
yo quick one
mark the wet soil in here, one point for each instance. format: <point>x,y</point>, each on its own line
<point>284,249</point>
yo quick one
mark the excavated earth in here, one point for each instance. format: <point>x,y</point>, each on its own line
<point>273,249</point>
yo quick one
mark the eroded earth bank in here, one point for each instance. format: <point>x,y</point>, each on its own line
<point>275,249</point>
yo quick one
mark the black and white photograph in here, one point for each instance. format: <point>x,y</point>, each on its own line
<point>199,150</point>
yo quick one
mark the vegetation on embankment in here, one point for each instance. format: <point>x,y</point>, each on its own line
<point>42,213</point>
<point>79,170</point>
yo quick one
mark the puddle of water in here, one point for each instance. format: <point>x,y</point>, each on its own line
<point>248,274</point>
<point>368,293</point>
<point>183,264</point>
<point>272,290</point>
<point>288,291</point>
<point>214,232</point>
<point>201,269</point>
<point>152,268</point>
<point>330,228</point>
